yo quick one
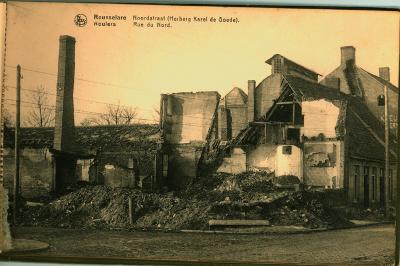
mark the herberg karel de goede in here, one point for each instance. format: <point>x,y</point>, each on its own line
<point>185,19</point>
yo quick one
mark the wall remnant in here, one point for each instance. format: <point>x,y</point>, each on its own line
<point>235,164</point>
<point>320,117</point>
<point>323,164</point>
<point>189,123</point>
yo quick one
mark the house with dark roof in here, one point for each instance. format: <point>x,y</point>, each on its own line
<point>352,79</point>
<point>328,134</point>
<point>115,155</point>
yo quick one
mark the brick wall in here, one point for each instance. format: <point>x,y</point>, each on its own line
<point>189,116</point>
<point>183,164</point>
<point>323,164</point>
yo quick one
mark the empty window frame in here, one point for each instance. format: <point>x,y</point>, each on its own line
<point>287,150</point>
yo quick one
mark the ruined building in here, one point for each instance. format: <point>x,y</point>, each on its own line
<point>187,122</point>
<point>57,158</point>
<point>328,135</point>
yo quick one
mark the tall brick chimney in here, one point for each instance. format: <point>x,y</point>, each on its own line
<point>64,130</point>
<point>348,55</point>
<point>384,72</point>
<point>250,100</point>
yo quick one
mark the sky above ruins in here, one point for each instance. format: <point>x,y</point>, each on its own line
<point>132,65</point>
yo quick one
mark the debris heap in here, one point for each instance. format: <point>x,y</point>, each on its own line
<point>251,195</point>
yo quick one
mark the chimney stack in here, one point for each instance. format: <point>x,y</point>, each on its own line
<point>250,100</point>
<point>384,72</point>
<point>64,129</point>
<point>348,55</point>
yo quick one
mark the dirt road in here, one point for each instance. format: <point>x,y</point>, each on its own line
<point>366,245</point>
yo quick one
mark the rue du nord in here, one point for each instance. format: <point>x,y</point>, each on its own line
<point>150,25</point>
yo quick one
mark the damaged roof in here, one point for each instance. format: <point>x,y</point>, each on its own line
<point>269,61</point>
<point>105,137</point>
<point>365,132</point>
<point>308,91</point>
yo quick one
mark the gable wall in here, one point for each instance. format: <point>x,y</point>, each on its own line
<point>372,89</point>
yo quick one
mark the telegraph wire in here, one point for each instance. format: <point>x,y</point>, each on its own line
<point>99,82</point>
<point>52,107</point>
<point>99,102</point>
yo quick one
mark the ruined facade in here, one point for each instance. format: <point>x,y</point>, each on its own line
<point>188,121</point>
<point>118,156</point>
<point>328,135</point>
<point>56,159</point>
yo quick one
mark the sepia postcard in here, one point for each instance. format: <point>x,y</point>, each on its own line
<point>173,134</point>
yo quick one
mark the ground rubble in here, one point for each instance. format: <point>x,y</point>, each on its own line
<point>251,195</point>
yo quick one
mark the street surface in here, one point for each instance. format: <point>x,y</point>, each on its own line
<point>366,245</point>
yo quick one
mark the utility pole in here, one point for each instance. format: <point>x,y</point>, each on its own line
<point>16,144</point>
<point>387,152</point>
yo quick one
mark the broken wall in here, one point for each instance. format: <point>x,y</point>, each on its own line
<point>281,159</point>
<point>124,169</point>
<point>187,122</point>
<point>36,172</point>
<point>262,157</point>
<point>235,164</point>
<point>289,161</point>
<point>116,176</point>
<point>320,117</point>
<point>189,116</point>
<point>183,164</point>
<point>324,164</point>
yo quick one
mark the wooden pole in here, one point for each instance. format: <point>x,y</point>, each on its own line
<point>387,152</point>
<point>16,144</point>
<point>293,113</point>
<point>265,133</point>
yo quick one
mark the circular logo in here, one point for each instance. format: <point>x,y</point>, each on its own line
<point>80,20</point>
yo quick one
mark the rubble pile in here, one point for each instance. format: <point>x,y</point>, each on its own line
<point>251,195</point>
<point>105,207</point>
<point>305,208</point>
